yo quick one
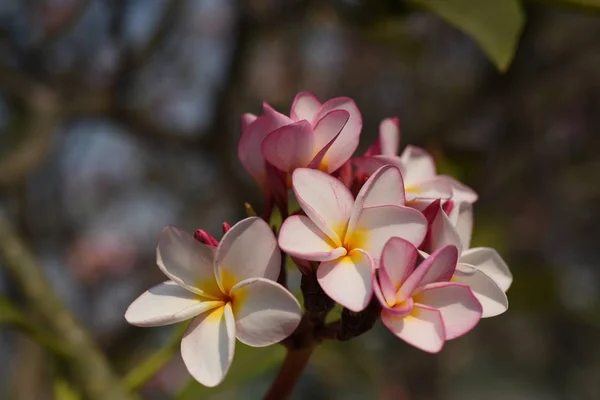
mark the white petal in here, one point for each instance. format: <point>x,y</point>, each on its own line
<point>348,280</point>
<point>384,187</point>
<point>489,261</point>
<point>376,225</point>
<point>188,262</point>
<point>488,293</point>
<point>301,238</point>
<point>462,219</point>
<point>443,233</point>
<point>324,199</point>
<point>389,136</point>
<point>460,309</point>
<point>166,303</point>
<point>460,192</point>
<point>423,328</point>
<point>265,312</point>
<point>419,165</point>
<point>208,345</point>
<point>428,190</point>
<point>305,106</point>
<point>248,250</point>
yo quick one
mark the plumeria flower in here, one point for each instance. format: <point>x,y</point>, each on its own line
<point>317,135</point>
<point>421,306</point>
<point>228,291</point>
<point>422,184</point>
<point>481,268</point>
<point>345,235</point>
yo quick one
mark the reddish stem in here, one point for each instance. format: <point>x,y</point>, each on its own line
<point>291,369</point>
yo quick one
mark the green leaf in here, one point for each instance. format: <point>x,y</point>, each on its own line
<point>155,361</point>
<point>11,316</point>
<point>495,25</point>
<point>64,391</point>
<point>584,5</point>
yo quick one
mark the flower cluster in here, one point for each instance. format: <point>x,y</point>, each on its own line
<point>381,234</point>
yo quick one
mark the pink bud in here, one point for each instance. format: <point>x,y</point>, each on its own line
<point>204,237</point>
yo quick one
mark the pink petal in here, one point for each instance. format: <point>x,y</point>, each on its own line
<point>419,165</point>
<point>368,165</point>
<point>442,233</point>
<point>377,225</point>
<point>398,261</point>
<point>488,293</point>
<point>249,249</point>
<point>301,238</point>
<point>187,262</point>
<point>347,142</point>
<point>386,292</point>
<point>423,328</point>
<point>305,106</point>
<point>348,280</point>
<point>438,267</point>
<point>489,261</point>
<point>460,309</point>
<point>325,200</point>
<point>384,187</point>
<point>290,146</point>
<point>246,120</point>
<point>265,312</point>
<point>167,303</point>
<point>461,217</point>
<point>389,136</point>
<point>326,133</point>
<point>249,146</point>
<point>208,345</point>
<point>461,192</point>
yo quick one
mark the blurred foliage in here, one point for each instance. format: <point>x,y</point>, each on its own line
<point>495,25</point>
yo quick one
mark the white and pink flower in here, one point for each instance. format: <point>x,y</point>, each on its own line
<point>420,305</point>
<point>228,291</point>
<point>317,135</point>
<point>346,235</point>
<point>422,183</point>
<point>481,268</point>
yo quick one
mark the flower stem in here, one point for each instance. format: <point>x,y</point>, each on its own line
<point>293,365</point>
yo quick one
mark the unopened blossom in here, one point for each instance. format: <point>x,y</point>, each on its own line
<point>315,135</point>
<point>422,183</point>
<point>346,235</point>
<point>227,291</point>
<point>481,268</point>
<point>421,305</point>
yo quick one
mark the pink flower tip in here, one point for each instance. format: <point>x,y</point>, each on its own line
<point>226,227</point>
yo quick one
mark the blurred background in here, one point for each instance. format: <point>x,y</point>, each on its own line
<point>120,117</point>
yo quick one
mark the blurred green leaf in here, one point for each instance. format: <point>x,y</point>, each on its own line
<point>64,391</point>
<point>150,366</point>
<point>248,364</point>
<point>586,5</point>
<point>495,25</point>
<point>11,316</point>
